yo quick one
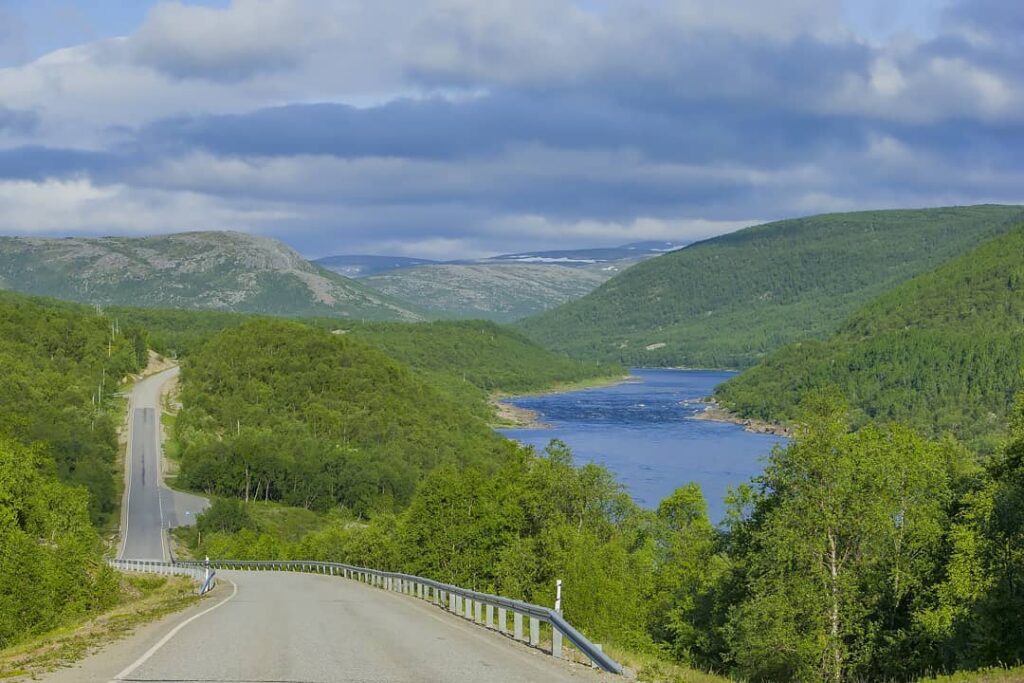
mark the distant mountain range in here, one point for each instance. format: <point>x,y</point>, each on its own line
<point>228,271</point>
<point>361,265</point>
<point>502,288</point>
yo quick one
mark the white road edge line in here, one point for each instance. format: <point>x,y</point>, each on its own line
<point>163,641</point>
<point>128,458</point>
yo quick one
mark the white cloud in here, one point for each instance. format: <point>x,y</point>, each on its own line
<point>79,207</point>
<point>542,229</point>
<point>231,44</point>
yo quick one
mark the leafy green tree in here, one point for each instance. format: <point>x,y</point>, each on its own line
<point>51,568</point>
<point>847,528</point>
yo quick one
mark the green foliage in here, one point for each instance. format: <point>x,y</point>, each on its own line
<point>483,354</point>
<point>465,360</point>
<point>868,554</point>
<point>227,515</point>
<point>729,301</point>
<point>59,365</point>
<point>941,352</point>
<point>51,569</point>
<point>177,332</point>
<point>282,411</point>
<point>983,594</point>
<point>845,538</point>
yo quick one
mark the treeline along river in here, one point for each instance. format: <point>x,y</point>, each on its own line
<point>644,430</point>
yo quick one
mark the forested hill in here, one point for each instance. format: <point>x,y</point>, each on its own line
<point>227,271</point>
<point>728,301</point>
<point>59,365</point>
<point>474,353</point>
<point>485,354</point>
<point>279,410</point>
<point>942,352</point>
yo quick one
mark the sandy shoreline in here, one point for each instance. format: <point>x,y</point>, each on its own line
<point>509,415</point>
<point>714,412</point>
<point>513,417</point>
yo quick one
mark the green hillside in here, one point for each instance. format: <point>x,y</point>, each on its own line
<point>484,354</point>
<point>282,411</point>
<point>729,301</point>
<point>222,271</point>
<point>942,351</point>
<point>466,359</point>
<point>60,365</point>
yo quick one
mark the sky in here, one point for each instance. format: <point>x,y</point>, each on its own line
<point>463,128</point>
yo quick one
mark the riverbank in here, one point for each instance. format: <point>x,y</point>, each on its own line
<point>510,416</point>
<point>714,412</point>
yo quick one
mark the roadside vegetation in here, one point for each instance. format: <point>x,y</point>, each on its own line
<point>731,300</point>
<point>941,352</point>
<point>141,599</point>
<point>60,365</point>
<point>866,553</point>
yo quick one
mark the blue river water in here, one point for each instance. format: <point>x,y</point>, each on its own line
<point>644,431</point>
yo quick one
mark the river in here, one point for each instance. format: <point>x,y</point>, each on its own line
<point>644,431</point>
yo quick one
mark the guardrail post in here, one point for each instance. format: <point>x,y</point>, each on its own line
<point>534,631</point>
<point>477,616</point>
<point>489,614</point>
<point>517,625</point>
<point>556,643</point>
<point>453,603</point>
<point>502,620</point>
<point>468,612</point>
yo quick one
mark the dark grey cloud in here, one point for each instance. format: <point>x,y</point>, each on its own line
<point>39,163</point>
<point>443,129</point>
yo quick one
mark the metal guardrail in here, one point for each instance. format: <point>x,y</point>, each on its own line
<point>477,607</point>
<point>204,575</point>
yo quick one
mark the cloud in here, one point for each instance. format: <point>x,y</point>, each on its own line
<point>77,206</point>
<point>16,121</point>
<point>231,44</point>
<point>447,125</point>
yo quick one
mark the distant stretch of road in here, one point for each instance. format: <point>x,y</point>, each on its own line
<point>151,507</point>
<point>276,627</point>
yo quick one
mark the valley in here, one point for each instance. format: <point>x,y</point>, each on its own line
<point>371,442</point>
<point>511,342</point>
<point>502,288</point>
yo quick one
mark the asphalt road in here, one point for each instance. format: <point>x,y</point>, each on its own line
<point>306,628</point>
<point>275,627</point>
<point>150,506</point>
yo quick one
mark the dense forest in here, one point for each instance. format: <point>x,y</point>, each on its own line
<point>465,360</point>
<point>730,300</point>
<point>60,365</point>
<point>941,352</point>
<point>279,410</point>
<point>859,554</point>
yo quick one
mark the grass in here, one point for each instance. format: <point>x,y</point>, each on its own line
<point>650,668</point>
<point>289,524</point>
<point>146,598</point>
<point>989,675</point>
